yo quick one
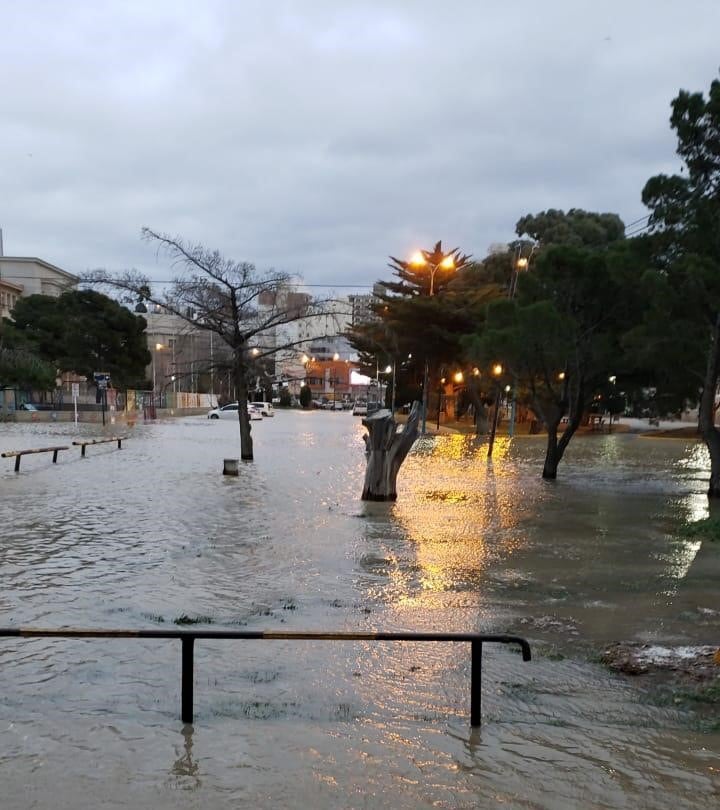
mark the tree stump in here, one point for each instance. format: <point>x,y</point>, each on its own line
<point>386,449</point>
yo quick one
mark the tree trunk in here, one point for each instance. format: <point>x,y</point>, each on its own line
<point>706,419</point>
<point>481,411</point>
<point>552,453</point>
<point>552,416</point>
<point>386,450</point>
<point>246,442</point>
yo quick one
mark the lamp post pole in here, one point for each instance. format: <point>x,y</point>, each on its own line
<point>392,400</point>
<point>520,263</point>
<point>433,261</point>
<point>497,371</point>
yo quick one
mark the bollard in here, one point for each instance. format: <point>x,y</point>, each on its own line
<point>231,466</point>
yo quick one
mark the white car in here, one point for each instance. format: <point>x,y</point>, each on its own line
<point>360,408</point>
<point>266,408</point>
<point>231,412</point>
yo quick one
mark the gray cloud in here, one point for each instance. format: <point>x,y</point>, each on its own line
<point>318,137</point>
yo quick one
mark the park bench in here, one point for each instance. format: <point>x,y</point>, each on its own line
<point>83,443</point>
<point>18,454</point>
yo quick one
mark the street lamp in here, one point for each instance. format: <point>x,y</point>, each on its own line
<point>497,370</point>
<point>418,259</point>
<point>446,262</point>
<point>158,348</point>
<point>520,264</point>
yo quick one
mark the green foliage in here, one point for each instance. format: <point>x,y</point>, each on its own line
<point>576,227</point>
<point>412,326</point>
<point>22,369</point>
<point>305,396</point>
<point>684,283</point>
<point>84,331</point>
<point>559,338</point>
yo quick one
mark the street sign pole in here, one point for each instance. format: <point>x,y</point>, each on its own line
<point>75,393</point>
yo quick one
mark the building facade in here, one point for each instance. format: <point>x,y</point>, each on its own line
<point>31,276</point>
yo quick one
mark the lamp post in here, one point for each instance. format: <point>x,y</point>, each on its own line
<point>158,348</point>
<point>497,370</point>
<point>520,264</point>
<point>421,259</point>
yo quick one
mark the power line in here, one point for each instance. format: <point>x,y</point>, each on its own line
<point>642,219</point>
<point>365,286</point>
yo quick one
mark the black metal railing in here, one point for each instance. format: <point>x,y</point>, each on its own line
<point>188,637</point>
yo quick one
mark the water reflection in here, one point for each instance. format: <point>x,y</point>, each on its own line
<point>155,533</point>
<point>185,770</point>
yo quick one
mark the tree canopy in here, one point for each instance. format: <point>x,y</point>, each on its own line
<point>576,227</point>
<point>84,331</point>
<point>247,308</point>
<point>684,284</point>
<point>558,339</point>
<point>412,326</point>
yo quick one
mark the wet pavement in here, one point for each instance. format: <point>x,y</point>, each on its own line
<point>153,534</point>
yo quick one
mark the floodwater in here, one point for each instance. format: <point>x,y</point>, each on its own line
<point>153,533</point>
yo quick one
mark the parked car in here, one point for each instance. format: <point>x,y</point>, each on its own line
<point>28,406</point>
<point>266,408</point>
<point>231,412</point>
<point>360,408</point>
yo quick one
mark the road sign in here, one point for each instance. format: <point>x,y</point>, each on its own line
<point>101,380</point>
<point>76,390</point>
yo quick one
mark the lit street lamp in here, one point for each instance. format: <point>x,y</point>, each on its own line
<point>433,262</point>
<point>520,264</point>
<point>497,370</point>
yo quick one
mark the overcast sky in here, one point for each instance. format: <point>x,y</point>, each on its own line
<point>319,137</point>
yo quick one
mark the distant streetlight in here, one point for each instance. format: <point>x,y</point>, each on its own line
<point>418,259</point>
<point>458,377</point>
<point>158,348</point>
<point>448,263</point>
<point>433,261</point>
<point>520,264</point>
<point>336,357</point>
<point>497,370</point>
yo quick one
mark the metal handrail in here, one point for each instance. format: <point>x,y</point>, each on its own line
<point>187,638</point>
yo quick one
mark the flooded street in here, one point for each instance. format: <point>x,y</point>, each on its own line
<point>153,534</point>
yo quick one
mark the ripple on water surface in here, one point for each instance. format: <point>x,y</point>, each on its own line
<point>153,535</point>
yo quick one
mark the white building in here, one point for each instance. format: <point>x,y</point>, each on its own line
<point>22,276</point>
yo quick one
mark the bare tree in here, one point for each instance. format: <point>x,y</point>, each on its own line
<point>246,308</point>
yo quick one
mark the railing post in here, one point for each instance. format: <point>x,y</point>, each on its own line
<point>476,683</point>
<point>17,463</point>
<point>187,679</point>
